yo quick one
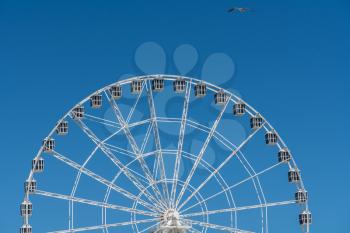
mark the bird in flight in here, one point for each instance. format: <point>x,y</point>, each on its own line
<point>238,9</point>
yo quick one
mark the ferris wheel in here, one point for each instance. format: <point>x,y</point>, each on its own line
<point>164,154</point>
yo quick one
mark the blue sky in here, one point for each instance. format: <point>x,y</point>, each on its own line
<point>291,62</point>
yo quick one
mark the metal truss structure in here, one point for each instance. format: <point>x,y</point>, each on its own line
<point>164,203</point>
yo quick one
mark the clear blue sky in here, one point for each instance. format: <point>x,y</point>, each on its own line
<point>292,61</point>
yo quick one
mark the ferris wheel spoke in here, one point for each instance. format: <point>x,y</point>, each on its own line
<point>157,140</point>
<point>145,140</point>
<point>234,152</point>
<point>155,167</point>
<point>150,227</point>
<point>193,230</point>
<point>201,153</point>
<point>102,121</point>
<point>119,150</point>
<point>101,180</point>
<point>281,203</point>
<point>136,150</point>
<point>217,227</point>
<point>94,203</point>
<point>117,162</point>
<point>180,142</point>
<point>98,227</point>
<point>134,106</point>
<point>138,123</point>
<point>232,186</point>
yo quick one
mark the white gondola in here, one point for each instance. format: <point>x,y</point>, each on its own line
<point>239,108</point>
<point>136,86</point>
<point>256,121</point>
<point>293,176</point>
<point>62,128</point>
<point>96,101</point>
<point>26,208</point>
<point>78,112</point>
<point>284,155</point>
<point>179,85</point>
<point>30,186</point>
<point>38,165</point>
<point>220,97</point>
<point>26,228</point>
<point>116,91</point>
<point>301,196</point>
<point>157,84</point>
<point>271,137</point>
<point>305,218</point>
<point>200,89</point>
<point>48,144</point>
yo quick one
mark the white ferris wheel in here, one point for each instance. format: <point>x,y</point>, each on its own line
<point>158,153</point>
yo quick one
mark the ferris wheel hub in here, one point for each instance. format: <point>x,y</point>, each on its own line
<point>171,217</point>
<point>171,223</point>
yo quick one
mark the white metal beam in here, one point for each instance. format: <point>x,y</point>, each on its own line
<point>157,141</point>
<point>135,148</point>
<point>99,227</point>
<point>201,153</point>
<point>217,227</point>
<point>95,203</point>
<point>281,203</point>
<point>180,142</point>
